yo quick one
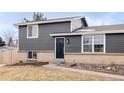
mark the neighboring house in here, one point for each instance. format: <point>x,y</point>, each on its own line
<point>7,48</point>
<point>71,40</point>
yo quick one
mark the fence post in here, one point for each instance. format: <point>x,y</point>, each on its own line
<point>0,57</point>
<point>11,57</point>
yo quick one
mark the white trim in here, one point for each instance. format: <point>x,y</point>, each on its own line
<point>49,21</point>
<point>93,44</point>
<point>31,59</point>
<point>55,47</point>
<point>37,31</point>
<point>71,26</point>
<point>83,30</point>
<point>82,47</point>
<point>18,40</point>
<point>88,33</point>
<point>104,43</point>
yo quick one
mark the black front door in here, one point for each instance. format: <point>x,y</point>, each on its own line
<point>60,48</point>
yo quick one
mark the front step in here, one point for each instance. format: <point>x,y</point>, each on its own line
<point>59,61</point>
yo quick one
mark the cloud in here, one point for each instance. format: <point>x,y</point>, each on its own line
<point>105,19</point>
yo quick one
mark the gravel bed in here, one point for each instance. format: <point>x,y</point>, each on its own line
<point>105,68</point>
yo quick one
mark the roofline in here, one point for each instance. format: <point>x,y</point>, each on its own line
<point>88,33</point>
<point>106,25</point>
<point>49,21</point>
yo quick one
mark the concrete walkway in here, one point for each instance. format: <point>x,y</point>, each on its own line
<point>1,65</point>
<point>117,77</point>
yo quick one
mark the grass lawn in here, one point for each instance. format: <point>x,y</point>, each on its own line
<point>42,73</point>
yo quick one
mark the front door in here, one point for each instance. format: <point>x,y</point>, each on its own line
<point>59,48</point>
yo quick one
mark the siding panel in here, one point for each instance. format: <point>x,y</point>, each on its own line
<point>75,44</point>
<point>115,43</point>
<point>75,24</point>
<point>44,41</point>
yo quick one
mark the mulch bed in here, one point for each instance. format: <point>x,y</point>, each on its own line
<point>105,68</point>
<point>33,64</point>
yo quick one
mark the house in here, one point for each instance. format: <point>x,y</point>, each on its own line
<point>7,48</point>
<point>71,40</point>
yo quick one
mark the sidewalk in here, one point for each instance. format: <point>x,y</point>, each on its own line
<point>117,77</point>
<point>1,65</point>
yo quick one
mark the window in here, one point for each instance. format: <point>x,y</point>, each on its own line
<point>32,31</point>
<point>87,43</point>
<point>32,55</point>
<point>98,43</point>
<point>94,43</point>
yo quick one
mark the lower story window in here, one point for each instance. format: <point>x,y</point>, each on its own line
<point>98,43</point>
<point>93,43</point>
<point>32,55</point>
<point>98,48</point>
<point>87,48</point>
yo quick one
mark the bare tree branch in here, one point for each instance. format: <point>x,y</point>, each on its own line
<point>9,37</point>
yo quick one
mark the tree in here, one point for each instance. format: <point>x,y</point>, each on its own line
<point>2,43</point>
<point>10,42</point>
<point>9,37</point>
<point>38,17</point>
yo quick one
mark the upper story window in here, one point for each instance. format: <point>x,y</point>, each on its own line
<point>32,31</point>
<point>93,43</point>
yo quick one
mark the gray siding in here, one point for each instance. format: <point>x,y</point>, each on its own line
<point>44,42</point>
<point>74,45</point>
<point>115,43</point>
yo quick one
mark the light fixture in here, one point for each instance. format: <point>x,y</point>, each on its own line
<point>67,41</point>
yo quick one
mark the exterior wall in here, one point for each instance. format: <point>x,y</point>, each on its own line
<point>22,56</point>
<point>74,44</point>
<point>95,59</point>
<point>114,43</point>
<point>45,57</point>
<point>41,56</point>
<point>44,41</point>
<point>12,57</point>
<point>75,24</point>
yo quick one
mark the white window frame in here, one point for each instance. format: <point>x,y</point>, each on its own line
<point>82,49</point>
<point>32,55</point>
<point>82,44</point>
<point>37,31</point>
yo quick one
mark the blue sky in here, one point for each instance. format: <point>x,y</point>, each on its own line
<point>7,19</point>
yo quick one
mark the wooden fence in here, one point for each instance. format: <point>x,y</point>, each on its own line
<point>9,57</point>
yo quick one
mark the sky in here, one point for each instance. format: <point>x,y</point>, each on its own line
<point>8,19</point>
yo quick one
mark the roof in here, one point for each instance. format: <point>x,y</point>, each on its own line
<point>87,33</point>
<point>104,27</point>
<point>119,28</point>
<point>50,21</point>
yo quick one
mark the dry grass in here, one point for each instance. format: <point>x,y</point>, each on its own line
<point>42,73</point>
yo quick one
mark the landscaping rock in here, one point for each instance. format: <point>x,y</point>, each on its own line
<point>74,64</point>
<point>106,68</point>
